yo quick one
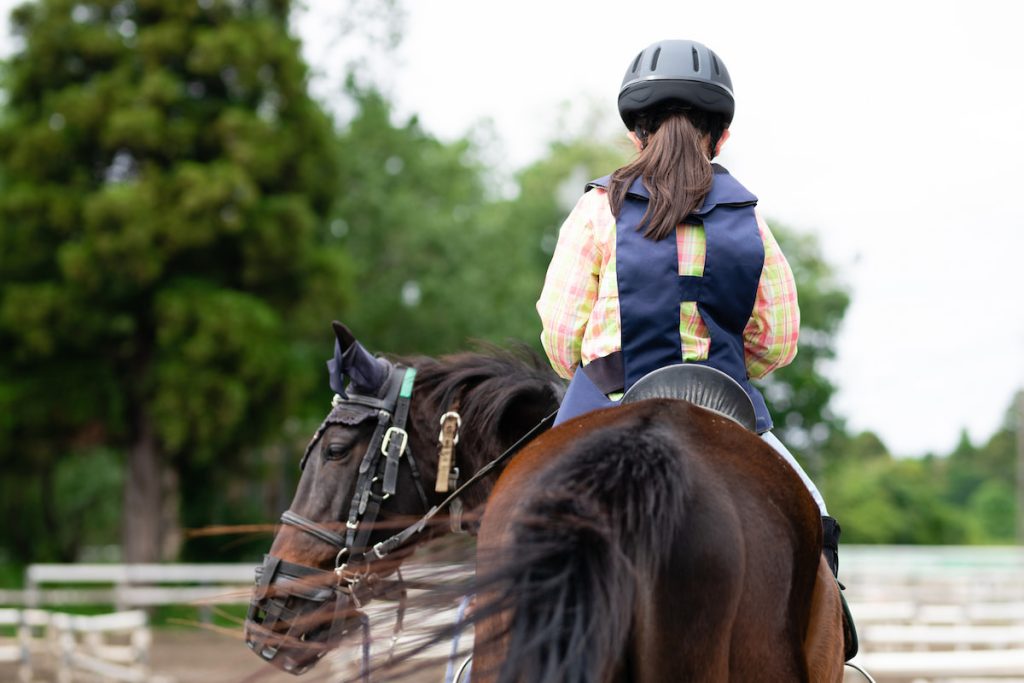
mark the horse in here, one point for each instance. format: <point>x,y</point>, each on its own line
<point>650,542</point>
<point>369,469</point>
<point>655,541</point>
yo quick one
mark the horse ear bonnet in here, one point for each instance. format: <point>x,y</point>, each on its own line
<point>369,375</point>
<point>701,385</point>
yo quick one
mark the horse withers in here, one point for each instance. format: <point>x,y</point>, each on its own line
<point>372,468</point>
<point>653,542</point>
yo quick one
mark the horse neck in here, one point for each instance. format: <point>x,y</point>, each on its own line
<point>498,402</point>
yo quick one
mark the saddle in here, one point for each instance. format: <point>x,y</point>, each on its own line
<point>701,385</point>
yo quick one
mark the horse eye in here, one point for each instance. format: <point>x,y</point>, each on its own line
<point>336,451</point>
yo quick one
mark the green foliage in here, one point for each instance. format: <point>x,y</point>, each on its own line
<point>799,394</point>
<point>884,500</point>
<point>439,262</point>
<point>966,496</point>
<point>529,223</point>
<point>166,181</point>
<point>408,214</point>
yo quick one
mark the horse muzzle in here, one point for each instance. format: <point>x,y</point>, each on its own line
<point>297,614</point>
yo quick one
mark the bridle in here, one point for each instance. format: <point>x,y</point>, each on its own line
<point>340,593</point>
<point>380,464</point>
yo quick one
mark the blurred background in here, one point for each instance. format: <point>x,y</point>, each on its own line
<point>191,190</point>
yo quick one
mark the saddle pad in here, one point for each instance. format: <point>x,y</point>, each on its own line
<point>701,385</point>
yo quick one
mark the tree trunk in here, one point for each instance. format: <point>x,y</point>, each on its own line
<point>170,519</point>
<point>141,533</point>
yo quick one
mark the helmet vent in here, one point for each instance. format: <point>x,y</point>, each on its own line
<point>654,59</point>
<point>714,61</point>
<point>636,62</point>
<point>696,59</point>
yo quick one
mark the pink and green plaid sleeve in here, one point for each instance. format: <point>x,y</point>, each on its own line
<point>570,289</point>
<point>770,338</point>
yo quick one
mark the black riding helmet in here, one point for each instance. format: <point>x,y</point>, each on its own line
<point>676,72</point>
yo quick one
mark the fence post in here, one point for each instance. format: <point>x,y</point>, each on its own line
<point>1020,467</point>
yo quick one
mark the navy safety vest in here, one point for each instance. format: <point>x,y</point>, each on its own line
<point>651,291</point>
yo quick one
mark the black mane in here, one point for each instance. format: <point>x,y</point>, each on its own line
<point>495,377</point>
<point>501,393</point>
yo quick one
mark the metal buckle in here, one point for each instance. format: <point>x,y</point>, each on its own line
<point>339,566</point>
<point>386,444</point>
<point>458,425</point>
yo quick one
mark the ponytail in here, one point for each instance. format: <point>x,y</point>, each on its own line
<point>675,167</point>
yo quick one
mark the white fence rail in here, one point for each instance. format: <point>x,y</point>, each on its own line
<point>938,614</point>
<point>108,647</point>
<point>127,586</point>
<point>111,647</point>
<point>925,615</point>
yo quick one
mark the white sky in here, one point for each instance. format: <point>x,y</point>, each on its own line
<point>894,130</point>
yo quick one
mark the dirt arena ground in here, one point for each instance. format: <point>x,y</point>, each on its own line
<point>198,656</point>
<point>195,656</point>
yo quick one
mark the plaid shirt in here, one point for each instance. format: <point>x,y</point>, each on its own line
<point>579,306</point>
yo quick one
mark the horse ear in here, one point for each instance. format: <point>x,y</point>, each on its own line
<point>344,336</point>
<point>368,375</point>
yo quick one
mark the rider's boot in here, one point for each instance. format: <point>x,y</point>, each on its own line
<point>830,550</point>
<point>830,543</point>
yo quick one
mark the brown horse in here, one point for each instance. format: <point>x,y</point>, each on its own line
<point>653,542</point>
<point>370,469</point>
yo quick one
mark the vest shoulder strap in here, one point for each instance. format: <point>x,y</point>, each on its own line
<point>636,191</point>
<point>725,191</point>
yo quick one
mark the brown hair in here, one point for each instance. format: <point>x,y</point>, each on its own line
<point>675,167</point>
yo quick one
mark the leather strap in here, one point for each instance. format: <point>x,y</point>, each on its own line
<point>312,528</point>
<point>399,438</point>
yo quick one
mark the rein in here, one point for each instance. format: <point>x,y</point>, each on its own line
<point>395,542</point>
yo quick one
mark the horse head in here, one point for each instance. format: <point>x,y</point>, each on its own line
<point>373,465</point>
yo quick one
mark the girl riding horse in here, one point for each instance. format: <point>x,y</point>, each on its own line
<point>667,261</point>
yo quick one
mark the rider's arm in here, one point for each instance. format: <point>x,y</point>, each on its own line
<point>570,288</point>
<point>770,338</point>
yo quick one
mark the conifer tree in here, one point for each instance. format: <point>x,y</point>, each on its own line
<point>164,183</point>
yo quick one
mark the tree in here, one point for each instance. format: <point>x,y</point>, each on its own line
<point>409,214</point>
<point>166,180</point>
<point>887,500</point>
<point>800,394</point>
<point>548,190</point>
<point>981,480</point>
